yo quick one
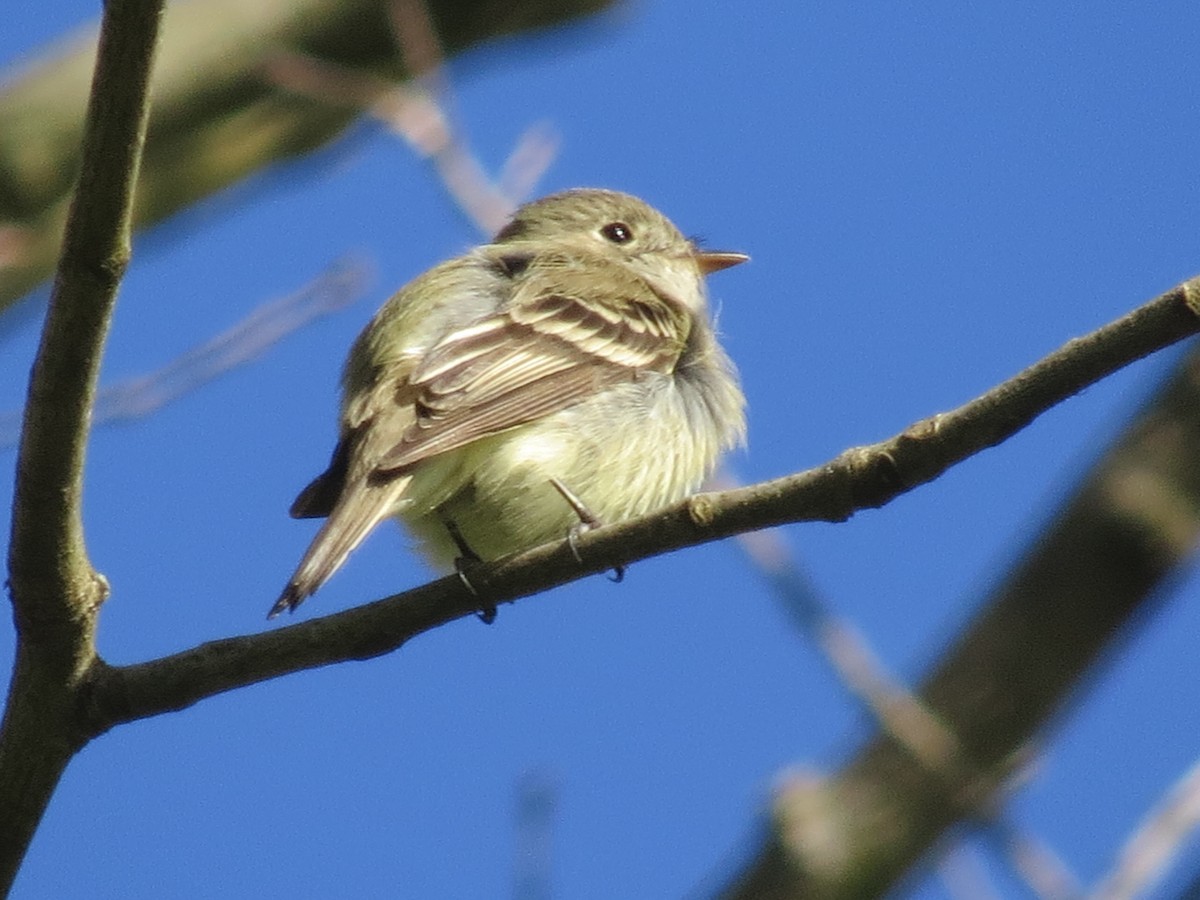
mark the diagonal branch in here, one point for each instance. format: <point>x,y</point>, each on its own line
<point>340,285</point>
<point>1157,843</point>
<point>419,112</point>
<point>858,478</point>
<point>1131,524</point>
<point>217,118</point>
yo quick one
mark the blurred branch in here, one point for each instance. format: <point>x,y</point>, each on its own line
<point>416,115</point>
<point>62,695</point>
<point>1034,861</point>
<point>537,805</point>
<point>409,112</point>
<point>1131,524</point>
<point>432,129</point>
<point>859,478</point>
<point>900,713</point>
<point>419,113</point>
<point>1158,839</point>
<point>56,594</point>
<point>896,710</point>
<point>134,398</point>
<point>964,876</point>
<point>216,119</point>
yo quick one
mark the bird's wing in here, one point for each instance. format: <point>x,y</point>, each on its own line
<point>346,493</point>
<point>546,350</point>
<point>376,423</point>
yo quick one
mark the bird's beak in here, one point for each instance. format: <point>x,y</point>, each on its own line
<point>711,261</point>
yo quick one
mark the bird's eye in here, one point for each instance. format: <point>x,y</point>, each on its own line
<point>617,232</point>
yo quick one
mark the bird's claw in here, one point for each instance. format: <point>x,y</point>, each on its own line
<point>587,521</point>
<point>466,559</point>
<point>486,615</point>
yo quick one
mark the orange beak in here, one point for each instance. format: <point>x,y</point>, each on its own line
<point>711,261</point>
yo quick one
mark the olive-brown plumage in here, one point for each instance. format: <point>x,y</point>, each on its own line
<point>575,347</point>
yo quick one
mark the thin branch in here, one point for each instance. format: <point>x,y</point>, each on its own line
<point>859,478</point>
<point>964,875</point>
<point>216,121</point>
<point>419,112</point>
<point>55,592</point>
<point>1158,839</point>
<point>527,163</point>
<point>1131,524</point>
<point>1034,861</point>
<point>899,713</point>
<point>258,332</point>
<point>135,398</point>
<point>896,709</point>
<point>52,583</point>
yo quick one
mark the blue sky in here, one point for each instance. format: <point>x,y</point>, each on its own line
<point>933,199</point>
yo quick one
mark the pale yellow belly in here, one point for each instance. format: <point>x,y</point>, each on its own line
<point>498,492</point>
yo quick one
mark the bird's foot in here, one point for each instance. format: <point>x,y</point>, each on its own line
<point>587,521</point>
<point>467,559</point>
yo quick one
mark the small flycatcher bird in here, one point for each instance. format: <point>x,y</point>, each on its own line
<point>565,374</point>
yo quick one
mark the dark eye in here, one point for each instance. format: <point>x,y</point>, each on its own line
<point>617,232</point>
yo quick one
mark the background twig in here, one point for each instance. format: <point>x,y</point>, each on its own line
<point>216,118</point>
<point>1129,526</point>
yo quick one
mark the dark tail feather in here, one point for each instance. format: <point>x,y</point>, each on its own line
<point>360,509</point>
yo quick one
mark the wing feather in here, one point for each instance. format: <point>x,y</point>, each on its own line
<point>545,351</point>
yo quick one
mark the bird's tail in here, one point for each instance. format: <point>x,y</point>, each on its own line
<point>360,508</point>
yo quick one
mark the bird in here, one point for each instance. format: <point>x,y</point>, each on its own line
<point>564,375</point>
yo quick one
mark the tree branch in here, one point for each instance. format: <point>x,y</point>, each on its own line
<point>51,580</point>
<point>1130,525</point>
<point>1157,842</point>
<point>216,118</point>
<point>858,478</point>
<point>55,592</point>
